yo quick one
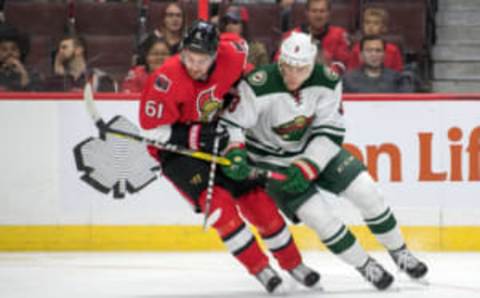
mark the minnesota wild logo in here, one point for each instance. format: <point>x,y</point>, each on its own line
<point>295,129</point>
<point>208,106</point>
<point>258,78</point>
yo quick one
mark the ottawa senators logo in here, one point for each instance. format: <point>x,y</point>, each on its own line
<point>208,106</point>
<point>295,129</point>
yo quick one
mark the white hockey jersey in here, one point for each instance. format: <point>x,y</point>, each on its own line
<point>280,126</point>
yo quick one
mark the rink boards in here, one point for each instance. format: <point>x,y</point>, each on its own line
<point>423,149</point>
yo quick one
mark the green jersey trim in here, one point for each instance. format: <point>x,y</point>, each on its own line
<point>271,81</point>
<point>267,80</point>
<point>322,76</point>
<point>328,127</point>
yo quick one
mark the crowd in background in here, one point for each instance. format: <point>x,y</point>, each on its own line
<point>366,60</point>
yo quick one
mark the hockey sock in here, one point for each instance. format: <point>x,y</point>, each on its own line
<point>244,247</point>
<point>234,232</point>
<point>283,248</point>
<point>344,244</point>
<point>261,211</point>
<point>386,230</point>
<point>366,196</point>
<point>332,232</point>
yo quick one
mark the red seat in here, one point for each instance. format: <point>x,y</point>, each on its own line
<point>106,18</point>
<point>40,56</point>
<point>264,23</point>
<point>37,18</point>
<point>113,54</point>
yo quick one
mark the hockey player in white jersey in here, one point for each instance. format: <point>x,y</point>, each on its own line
<point>289,117</point>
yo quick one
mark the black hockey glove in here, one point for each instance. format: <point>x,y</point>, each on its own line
<point>199,136</point>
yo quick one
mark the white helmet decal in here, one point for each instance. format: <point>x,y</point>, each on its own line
<point>298,50</point>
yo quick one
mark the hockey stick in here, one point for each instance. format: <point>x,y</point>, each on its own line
<point>103,128</point>
<point>211,182</point>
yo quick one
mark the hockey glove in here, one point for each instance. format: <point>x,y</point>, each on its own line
<point>239,169</point>
<point>299,176</point>
<point>199,136</point>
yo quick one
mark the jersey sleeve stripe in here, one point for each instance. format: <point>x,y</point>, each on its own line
<point>229,122</point>
<point>328,127</point>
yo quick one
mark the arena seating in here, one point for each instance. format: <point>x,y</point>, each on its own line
<point>112,54</point>
<point>106,18</point>
<point>264,24</point>
<point>111,26</point>
<point>37,18</point>
<point>344,13</point>
<point>40,56</point>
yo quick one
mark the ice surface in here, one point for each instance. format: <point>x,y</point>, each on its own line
<point>199,275</point>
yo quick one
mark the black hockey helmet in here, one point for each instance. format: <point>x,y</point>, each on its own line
<point>201,37</point>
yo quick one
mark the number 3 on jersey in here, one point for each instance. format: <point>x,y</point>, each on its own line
<point>154,109</point>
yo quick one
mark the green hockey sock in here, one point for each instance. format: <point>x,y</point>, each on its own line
<point>386,230</point>
<point>344,244</point>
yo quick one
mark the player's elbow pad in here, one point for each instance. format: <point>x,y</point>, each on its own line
<point>198,136</point>
<point>179,135</point>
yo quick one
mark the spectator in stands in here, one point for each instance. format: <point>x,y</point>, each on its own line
<point>333,41</point>
<point>286,13</point>
<point>173,26</point>
<point>152,53</point>
<point>14,75</point>
<point>372,76</point>
<point>71,69</point>
<point>375,22</point>
<point>235,21</point>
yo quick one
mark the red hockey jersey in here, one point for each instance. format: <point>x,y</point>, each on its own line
<point>172,96</point>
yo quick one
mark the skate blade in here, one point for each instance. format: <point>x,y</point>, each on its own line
<point>423,281</point>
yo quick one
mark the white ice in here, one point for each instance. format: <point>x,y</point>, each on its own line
<point>199,275</point>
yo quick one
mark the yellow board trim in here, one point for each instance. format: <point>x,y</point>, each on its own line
<point>193,238</point>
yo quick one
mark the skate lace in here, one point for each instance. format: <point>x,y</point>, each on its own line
<point>405,260</point>
<point>372,271</point>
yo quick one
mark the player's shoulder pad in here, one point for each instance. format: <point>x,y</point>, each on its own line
<point>164,76</point>
<point>323,76</point>
<point>231,58</point>
<point>265,80</point>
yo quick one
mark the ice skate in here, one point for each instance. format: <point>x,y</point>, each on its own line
<point>376,274</point>
<point>269,279</point>
<point>305,275</point>
<point>408,263</point>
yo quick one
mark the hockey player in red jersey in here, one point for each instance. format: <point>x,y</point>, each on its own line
<point>180,105</point>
